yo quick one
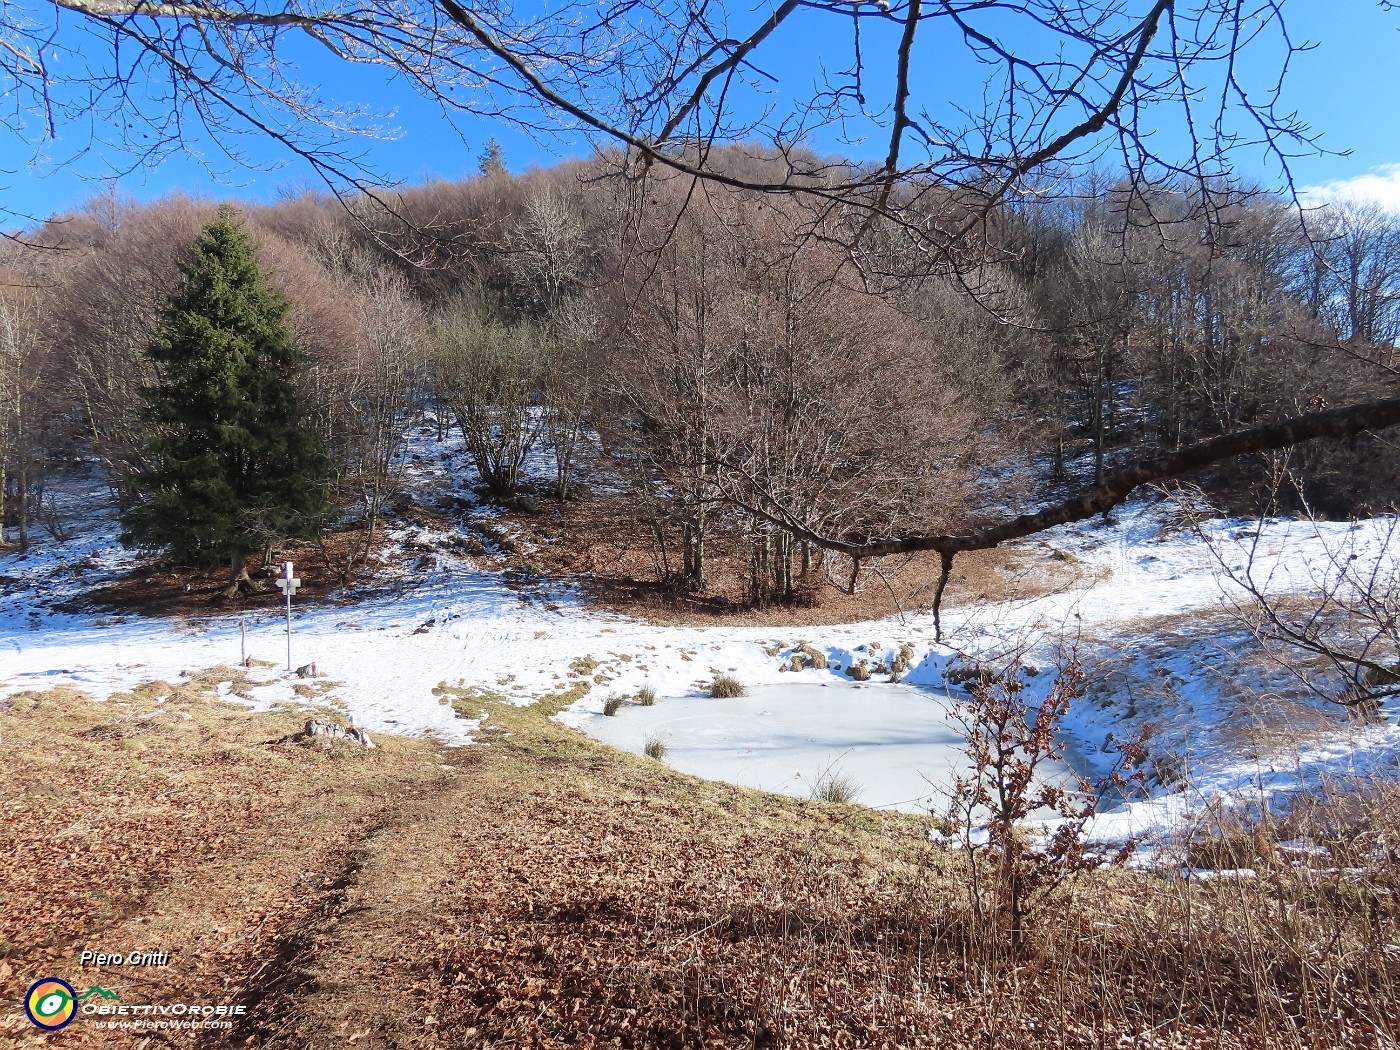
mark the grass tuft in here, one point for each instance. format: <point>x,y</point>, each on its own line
<point>655,747</point>
<point>646,695</point>
<point>613,704</point>
<point>726,687</point>
<point>582,666</point>
<point>832,785</point>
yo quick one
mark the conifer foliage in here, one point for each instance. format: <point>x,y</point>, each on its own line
<point>236,465</point>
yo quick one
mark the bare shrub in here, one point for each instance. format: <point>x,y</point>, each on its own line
<point>1340,638</point>
<point>488,373</point>
<point>1011,742</point>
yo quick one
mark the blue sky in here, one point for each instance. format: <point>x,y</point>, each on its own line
<point>1345,90</point>
<point>1341,89</point>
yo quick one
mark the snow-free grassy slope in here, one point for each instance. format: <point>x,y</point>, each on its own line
<point>169,820</point>
<point>549,891</point>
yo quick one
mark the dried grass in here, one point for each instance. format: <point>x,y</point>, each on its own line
<point>655,747</point>
<point>831,785</point>
<point>726,687</point>
<point>547,891</point>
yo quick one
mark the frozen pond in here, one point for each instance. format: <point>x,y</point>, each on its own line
<point>895,741</point>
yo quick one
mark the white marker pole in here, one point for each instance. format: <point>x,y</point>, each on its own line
<point>289,585</point>
<point>287,575</point>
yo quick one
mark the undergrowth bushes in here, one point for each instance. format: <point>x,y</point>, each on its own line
<point>1289,938</point>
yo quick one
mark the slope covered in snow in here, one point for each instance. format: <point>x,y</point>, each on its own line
<point>1146,616</point>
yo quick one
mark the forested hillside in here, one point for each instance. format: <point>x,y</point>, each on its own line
<point>694,353</point>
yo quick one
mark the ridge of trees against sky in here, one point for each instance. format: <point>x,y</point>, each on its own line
<point>969,225</point>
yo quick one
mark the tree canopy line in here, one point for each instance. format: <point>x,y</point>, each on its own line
<point>1025,89</point>
<point>740,374</point>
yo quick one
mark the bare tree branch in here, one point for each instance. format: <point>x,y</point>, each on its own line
<point>204,13</point>
<point>1065,81</point>
<point>1116,487</point>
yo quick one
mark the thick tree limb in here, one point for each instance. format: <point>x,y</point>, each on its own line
<point>901,104</point>
<point>1332,423</point>
<point>197,12</point>
<point>1116,487</point>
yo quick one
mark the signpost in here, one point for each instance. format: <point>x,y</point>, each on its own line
<point>289,585</point>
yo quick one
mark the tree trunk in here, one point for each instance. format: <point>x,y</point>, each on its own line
<point>24,507</point>
<point>371,530</point>
<point>693,542</point>
<point>783,568</point>
<point>1018,913</point>
<point>1096,415</point>
<point>759,552</point>
<point>238,578</point>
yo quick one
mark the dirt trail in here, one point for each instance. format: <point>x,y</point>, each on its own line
<point>564,899</point>
<point>350,966</point>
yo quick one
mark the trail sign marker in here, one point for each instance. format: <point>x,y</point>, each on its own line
<point>289,584</point>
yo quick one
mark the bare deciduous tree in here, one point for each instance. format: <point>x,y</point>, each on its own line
<point>547,252</point>
<point>754,361</point>
<point>28,410</point>
<point>1354,279</point>
<point>570,388</point>
<point>367,389</point>
<point>108,292</point>
<point>488,373</point>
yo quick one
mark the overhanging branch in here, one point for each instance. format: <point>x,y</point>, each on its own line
<point>1116,487</point>
<point>199,12</point>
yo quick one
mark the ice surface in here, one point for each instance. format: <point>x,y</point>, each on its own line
<point>896,742</point>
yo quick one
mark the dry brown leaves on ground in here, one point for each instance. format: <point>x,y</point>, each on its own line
<point>548,892</point>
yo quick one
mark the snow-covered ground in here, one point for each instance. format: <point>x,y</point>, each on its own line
<point>1147,606</point>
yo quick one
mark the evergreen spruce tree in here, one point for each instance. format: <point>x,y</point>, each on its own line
<point>236,468</point>
<point>492,160</point>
